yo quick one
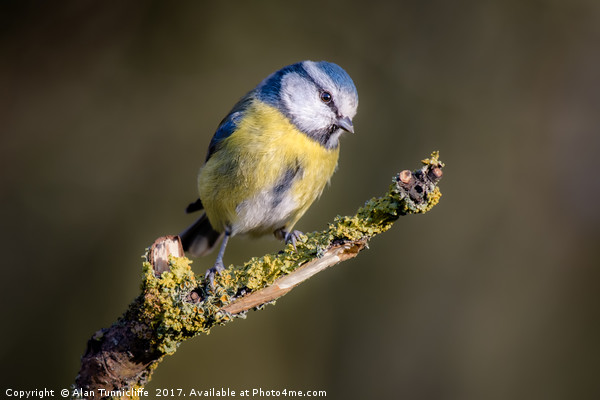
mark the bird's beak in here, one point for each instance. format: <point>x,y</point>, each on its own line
<point>346,124</point>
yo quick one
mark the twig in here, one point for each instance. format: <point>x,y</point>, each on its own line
<point>175,305</point>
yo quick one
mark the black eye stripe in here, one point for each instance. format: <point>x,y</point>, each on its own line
<point>333,106</point>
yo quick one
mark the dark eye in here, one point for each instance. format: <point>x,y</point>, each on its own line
<point>326,97</point>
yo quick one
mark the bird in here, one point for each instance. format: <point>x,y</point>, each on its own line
<point>271,157</point>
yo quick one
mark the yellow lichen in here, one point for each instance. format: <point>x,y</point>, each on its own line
<point>166,304</point>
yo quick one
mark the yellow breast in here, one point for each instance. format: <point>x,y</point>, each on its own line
<point>243,185</point>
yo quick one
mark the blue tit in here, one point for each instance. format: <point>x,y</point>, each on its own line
<point>271,157</point>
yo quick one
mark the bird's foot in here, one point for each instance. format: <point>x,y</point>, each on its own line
<point>288,237</point>
<point>292,237</point>
<point>211,272</point>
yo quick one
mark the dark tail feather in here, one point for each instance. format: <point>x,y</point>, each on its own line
<point>200,238</point>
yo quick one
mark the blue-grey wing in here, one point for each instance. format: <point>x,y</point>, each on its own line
<point>229,123</point>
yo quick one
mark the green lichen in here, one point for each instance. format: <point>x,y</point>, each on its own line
<point>167,306</point>
<point>177,305</point>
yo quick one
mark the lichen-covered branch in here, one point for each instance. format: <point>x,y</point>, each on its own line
<point>175,304</point>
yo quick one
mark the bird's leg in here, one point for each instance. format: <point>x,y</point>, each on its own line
<point>289,237</point>
<point>219,266</point>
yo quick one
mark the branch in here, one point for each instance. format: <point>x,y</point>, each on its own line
<point>175,305</point>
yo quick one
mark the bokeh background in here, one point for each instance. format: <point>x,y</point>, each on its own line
<point>106,111</point>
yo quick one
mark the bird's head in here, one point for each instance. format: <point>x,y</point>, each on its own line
<point>319,98</point>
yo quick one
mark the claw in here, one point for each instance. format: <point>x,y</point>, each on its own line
<point>288,237</point>
<point>292,237</point>
<point>211,272</point>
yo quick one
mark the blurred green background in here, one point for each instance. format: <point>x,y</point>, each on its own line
<point>106,111</point>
